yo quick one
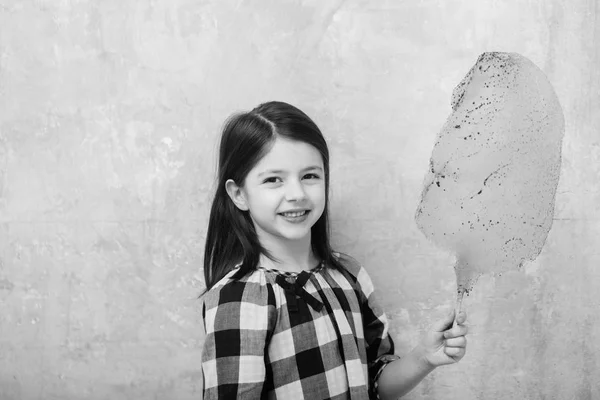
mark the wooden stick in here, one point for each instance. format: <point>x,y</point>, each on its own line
<point>459,299</point>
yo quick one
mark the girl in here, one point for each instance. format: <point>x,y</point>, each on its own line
<point>285,316</point>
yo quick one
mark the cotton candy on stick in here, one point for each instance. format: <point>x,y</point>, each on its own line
<point>488,195</point>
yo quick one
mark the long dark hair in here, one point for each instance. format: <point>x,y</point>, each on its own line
<point>246,138</point>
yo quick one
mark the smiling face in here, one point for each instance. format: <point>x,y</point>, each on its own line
<point>284,193</point>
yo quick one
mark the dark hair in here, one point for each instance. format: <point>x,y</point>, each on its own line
<point>246,138</point>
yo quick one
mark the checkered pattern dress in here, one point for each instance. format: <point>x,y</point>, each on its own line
<point>313,335</point>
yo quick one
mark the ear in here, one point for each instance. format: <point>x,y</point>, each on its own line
<point>236,195</point>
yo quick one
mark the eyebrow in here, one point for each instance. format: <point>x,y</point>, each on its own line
<point>280,171</point>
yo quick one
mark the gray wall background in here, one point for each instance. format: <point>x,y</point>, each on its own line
<point>109,116</point>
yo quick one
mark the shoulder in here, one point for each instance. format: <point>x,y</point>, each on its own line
<point>350,263</point>
<point>251,288</point>
<point>357,272</point>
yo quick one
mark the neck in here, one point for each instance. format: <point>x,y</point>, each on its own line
<point>290,256</point>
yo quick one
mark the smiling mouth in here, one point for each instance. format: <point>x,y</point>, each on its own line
<point>294,214</point>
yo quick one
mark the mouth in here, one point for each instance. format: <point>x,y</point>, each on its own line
<point>295,214</point>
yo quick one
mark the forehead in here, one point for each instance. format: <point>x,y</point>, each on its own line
<point>289,155</point>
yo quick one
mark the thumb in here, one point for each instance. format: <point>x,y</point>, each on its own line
<point>444,323</point>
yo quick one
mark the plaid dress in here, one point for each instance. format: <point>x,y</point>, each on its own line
<point>317,334</point>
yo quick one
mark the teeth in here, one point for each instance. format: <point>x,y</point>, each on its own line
<point>294,214</point>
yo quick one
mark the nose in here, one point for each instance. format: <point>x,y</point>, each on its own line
<point>294,191</point>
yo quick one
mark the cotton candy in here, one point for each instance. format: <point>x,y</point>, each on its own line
<point>489,193</point>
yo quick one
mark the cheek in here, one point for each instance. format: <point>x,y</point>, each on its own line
<point>318,194</point>
<point>265,200</point>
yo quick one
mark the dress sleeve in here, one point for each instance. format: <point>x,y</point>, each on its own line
<point>380,346</point>
<point>237,321</point>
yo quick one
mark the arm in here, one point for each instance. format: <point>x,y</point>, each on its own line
<point>391,376</point>
<point>443,346</point>
<point>233,363</point>
<point>401,376</point>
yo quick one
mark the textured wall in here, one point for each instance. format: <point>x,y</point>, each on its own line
<point>109,113</point>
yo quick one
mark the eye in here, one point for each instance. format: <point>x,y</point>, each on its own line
<point>312,176</point>
<point>272,179</point>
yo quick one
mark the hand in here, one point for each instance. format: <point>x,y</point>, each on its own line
<point>446,344</point>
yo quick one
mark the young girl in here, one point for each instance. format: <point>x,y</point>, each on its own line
<point>285,316</point>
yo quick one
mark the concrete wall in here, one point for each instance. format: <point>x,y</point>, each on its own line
<point>109,114</point>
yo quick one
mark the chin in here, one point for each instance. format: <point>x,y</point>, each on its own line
<point>299,234</point>
<point>294,237</point>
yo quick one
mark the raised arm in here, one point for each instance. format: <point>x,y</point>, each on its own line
<point>391,376</point>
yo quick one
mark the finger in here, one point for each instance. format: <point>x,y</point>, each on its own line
<point>458,330</point>
<point>457,342</point>
<point>454,352</point>
<point>444,323</point>
<point>461,318</point>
